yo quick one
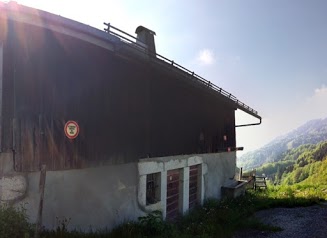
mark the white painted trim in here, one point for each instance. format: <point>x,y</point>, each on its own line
<point>141,193</point>
<point>203,170</point>
<point>150,167</point>
<point>194,160</point>
<point>163,193</point>
<point>162,165</point>
<point>154,165</point>
<point>185,185</point>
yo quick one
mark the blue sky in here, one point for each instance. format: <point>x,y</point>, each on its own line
<point>271,54</point>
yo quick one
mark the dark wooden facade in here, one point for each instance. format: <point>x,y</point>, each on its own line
<point>126,109</point>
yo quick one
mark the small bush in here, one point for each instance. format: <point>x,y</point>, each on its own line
<point>14,223</point>
<point>153,225</point>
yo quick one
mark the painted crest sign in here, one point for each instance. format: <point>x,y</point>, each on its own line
<point>71,129</point>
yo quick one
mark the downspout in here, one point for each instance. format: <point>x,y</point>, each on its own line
<point>252,124</point>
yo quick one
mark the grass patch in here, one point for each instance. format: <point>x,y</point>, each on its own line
<point>214,219</point>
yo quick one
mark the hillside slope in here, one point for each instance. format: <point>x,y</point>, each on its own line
<point>309,167</point>
<point>312,132</point>
<point>307,163</point>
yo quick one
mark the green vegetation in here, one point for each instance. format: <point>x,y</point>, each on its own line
<point>214,219</point>
<point>13,223</point>
<point>305,165</point>
<point>311,133</point>
<point>298,179</point>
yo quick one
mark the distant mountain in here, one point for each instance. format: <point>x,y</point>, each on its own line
<point>297,165</point>
<point>312,132</point>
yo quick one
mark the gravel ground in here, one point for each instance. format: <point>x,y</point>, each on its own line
<point>300,222</point>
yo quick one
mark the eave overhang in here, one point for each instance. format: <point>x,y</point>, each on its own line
<point>122,44</point>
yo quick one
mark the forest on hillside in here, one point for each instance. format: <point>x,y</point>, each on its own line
<point>306,164</point>
<point>300,139</point>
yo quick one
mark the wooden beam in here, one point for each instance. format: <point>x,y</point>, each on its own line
<point>41,190</point>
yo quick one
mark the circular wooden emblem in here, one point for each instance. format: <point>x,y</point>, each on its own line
<point>71,129</point>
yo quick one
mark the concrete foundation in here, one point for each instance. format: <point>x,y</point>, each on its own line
<point>110,195</point>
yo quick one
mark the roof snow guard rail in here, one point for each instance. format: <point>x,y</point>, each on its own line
<point>135,42</point>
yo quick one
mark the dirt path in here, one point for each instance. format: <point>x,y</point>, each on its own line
<point>300,222</point>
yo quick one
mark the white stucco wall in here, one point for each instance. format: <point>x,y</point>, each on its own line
<point>95,197</point>
<point>109,195</point>
<point>221,171</point>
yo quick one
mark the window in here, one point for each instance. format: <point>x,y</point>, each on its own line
<point>152,188</point>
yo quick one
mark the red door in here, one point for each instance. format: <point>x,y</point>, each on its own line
<point>172,207</point>
<point>193,192</point>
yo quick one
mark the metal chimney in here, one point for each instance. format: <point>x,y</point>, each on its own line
<point>146,36</point>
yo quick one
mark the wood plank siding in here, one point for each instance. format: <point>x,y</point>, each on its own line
<point>126,109</point>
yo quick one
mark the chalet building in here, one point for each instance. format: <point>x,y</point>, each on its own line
<point>121,130</point>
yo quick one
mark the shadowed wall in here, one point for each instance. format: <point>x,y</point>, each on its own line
<point>127,109</point>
